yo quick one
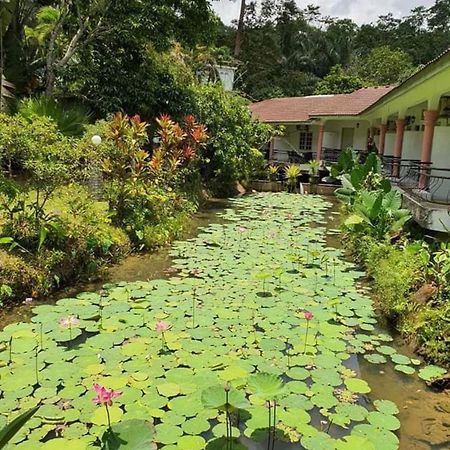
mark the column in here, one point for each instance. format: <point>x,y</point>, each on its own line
<point>382,143</point>
<point>320,142</point>
<point>430,119</point>
<point>400,132</point>
<point>271,145</point>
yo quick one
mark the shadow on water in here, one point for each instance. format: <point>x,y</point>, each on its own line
<point>424,414</point>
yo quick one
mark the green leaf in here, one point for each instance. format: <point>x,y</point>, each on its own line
<point>431,372</point>
<point>357,386</point>
<point>215,397</point>
<point>266,386</point>
<point>129,435</point>
<point>10,430</point>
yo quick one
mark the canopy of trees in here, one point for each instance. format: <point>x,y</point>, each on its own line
<point>288,51</point>
<point>143,55</point>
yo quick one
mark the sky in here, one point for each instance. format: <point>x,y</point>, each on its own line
<point>361,11</point>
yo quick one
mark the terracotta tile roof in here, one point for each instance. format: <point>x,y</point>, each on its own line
<point>302,109</point>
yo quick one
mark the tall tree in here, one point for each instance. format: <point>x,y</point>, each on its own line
<point>240,29</point>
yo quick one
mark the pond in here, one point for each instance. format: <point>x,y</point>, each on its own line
<point>261,310</point>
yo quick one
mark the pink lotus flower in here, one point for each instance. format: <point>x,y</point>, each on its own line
<point>242,229</point>
<point>69,322</point>
<point>162,327</point>
<point>290,216</point>
<point>308,315</point>
<point>105,396</point>
<point>195,272</point>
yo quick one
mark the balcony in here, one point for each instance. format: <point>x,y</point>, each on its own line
<point>425,189</point>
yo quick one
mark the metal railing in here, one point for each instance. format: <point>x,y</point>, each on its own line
<point>329,155</point>
<point>419,179</point>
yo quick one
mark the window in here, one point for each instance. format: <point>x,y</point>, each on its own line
<point>306,138</point>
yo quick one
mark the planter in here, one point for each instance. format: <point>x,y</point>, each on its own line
<point>313,183</point>
<point>267,186</point>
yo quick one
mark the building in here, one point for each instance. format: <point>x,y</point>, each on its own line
<point>409,123</point>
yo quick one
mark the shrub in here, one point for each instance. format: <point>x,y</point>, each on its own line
<point>70,119</point>
<point>77,240</point>
<point>396,277</point>
<point>233,152</point>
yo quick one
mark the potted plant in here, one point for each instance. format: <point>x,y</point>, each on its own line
<point>314,177</point>
<point>292,172</point>
<point>272,175</point>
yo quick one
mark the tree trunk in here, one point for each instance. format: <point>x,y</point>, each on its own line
<point>240,30</point>
<point>50,81</point>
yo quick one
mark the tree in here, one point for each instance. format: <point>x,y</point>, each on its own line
<point>240,29</point>
<point>339,82</point>
<point>384,66</point>
<point>62,29</point>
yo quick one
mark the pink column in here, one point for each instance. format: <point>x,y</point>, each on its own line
<point>382,143</point>
<point>430,119</point>
<point>271,144</point>
<point>320,142</point>
<point>400,132</point>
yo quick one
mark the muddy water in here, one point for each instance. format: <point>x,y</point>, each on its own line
<point>424,414</point>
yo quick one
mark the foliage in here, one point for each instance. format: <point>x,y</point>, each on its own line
<point>141,189</point>
<point>151,83</point>
<point>75,239</point>
<point>207,367</point>
<point>384,66</point>
<point>10,430</point>
<point>357,177</point>
<point>292,172</point>
<point>233,152</point>
<point>377,213</point>
<point>339,82</point>
<point>70,120</point>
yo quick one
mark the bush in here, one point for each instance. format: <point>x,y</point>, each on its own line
<point>70,119</point>
<point>396,277</point>
<point>77,241</point>
<point>233,151</point>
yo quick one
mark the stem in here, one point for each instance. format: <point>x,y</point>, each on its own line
<point>306,336</point>
<point>270,424</point>
<point>108,416</point>
<point>288,354</point>
<point>163,342</point>
<point>274,429</point>
<point>193,309</point>
<point>36,364</point>
<point>227,419</point>
<point>10,350</point>
<point>41,335</point>
<point>329,425</point>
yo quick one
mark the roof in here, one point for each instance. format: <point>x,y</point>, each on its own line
<point>303,109</point>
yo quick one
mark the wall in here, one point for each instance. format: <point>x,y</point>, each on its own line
<point>290,141</point>
<point>440,158</point>
<point>412,145</point>
<point>333,133</point>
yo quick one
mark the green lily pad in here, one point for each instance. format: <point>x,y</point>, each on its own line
<point>357,386</point>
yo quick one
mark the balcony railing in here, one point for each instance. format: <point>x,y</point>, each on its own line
<point>421,180</point>
<point>329,155</point>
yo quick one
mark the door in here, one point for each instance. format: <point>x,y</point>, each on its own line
<point>348,135</point>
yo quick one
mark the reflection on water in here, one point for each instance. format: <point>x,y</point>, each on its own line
<point>424,414</point>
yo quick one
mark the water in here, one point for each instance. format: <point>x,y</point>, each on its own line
<point>424,414</point>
